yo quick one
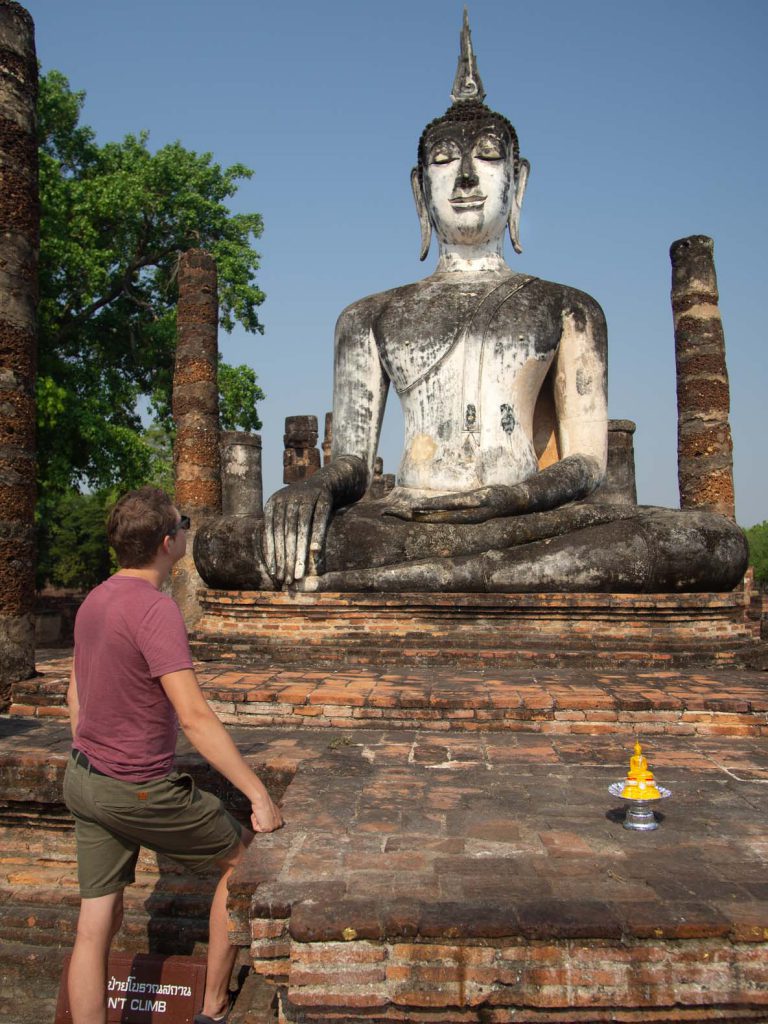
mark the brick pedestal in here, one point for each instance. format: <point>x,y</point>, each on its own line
<point>473,630</point>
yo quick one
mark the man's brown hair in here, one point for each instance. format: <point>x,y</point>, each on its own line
<point>137,525</point>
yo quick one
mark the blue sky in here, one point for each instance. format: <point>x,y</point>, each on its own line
<point>643,123</point>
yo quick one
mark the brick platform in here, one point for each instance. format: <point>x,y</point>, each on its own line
<point>462,877</point>
<point>474,631</point>
<point>552,701</point>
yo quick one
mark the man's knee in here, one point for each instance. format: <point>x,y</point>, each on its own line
<point>100,917</point>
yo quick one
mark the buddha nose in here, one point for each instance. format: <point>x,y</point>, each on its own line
<point>467,176</point>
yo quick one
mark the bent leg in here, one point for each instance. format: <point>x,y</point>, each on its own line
<point>655,551</point>
<point>221,954</point>
<point>99,921</point>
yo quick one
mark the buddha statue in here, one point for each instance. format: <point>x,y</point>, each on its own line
<point>502,378</point>
<point>639,783</point>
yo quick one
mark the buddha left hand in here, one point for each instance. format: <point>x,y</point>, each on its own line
<point>467,507</point>
<point>568,480</point>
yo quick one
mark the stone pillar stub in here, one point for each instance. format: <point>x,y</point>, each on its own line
<point>619,486</point>
<point>381,482</point>
<point>704,445</point>
<point>197,460</point>
<point>301,458</point>
<point>328,438</point>
<point>19,246</point>
<point>241,487</point>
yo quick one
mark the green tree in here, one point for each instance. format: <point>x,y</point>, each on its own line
<point>238,395</point>
<point>74,552</point>
<point>114,219</point>
<point>757,538</point>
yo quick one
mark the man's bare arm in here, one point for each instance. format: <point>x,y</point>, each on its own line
<point>209,737</point>
<point>72,702</point>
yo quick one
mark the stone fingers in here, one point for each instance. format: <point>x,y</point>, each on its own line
<point>268,541</point>
<point>295,522</point>
<point>320,520</point>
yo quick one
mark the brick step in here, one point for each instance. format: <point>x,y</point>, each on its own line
<point>29,982</point>
<point>256,1003</point>
<point>37,691</point>
<point>359,652</point>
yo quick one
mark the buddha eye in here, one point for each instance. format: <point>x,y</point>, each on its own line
<point>488,147</point>
<point>444,154</point>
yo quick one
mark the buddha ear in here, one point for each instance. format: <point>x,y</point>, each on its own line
<point>514,211</point>
<point>421,209</point>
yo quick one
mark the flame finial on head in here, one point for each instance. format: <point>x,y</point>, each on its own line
<point>467,84</point>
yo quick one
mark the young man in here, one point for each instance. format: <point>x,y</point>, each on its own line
<point>132,684</point>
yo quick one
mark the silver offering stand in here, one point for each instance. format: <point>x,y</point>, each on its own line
<point>640,816</point>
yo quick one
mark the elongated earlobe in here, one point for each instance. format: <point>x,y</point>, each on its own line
<point>514,212</point>
<point>421,210</point>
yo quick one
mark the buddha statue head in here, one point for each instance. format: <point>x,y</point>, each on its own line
<point>470,180</point>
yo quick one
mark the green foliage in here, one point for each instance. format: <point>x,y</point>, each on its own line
<point>72,540</point>
<point>757,538</point>
<point>238,395</point>
<point>114,220</point>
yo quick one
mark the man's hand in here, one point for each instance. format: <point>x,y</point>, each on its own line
<point>265,815</point>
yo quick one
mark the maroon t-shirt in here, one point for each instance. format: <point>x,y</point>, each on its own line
<point>127,635</point>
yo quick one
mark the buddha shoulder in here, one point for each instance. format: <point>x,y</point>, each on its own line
<point>439,303</point>
<point>366,314</point>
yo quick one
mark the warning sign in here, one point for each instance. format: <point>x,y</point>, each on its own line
<point>146,988</point>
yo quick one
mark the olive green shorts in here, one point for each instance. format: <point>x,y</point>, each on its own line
<point>113,819</point>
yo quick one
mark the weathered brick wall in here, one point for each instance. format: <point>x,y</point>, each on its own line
<point>572,980</point>
<point>473,630</point>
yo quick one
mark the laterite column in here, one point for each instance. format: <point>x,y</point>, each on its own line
<point>704,446</point>
<point>19,245</point>
<point>196,412</point>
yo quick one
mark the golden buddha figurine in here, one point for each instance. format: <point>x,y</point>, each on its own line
<point>639,784</point>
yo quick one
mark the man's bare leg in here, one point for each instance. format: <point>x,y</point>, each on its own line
<point>99,921</point>
<point>221,954</point>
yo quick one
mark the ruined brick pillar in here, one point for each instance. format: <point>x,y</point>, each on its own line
<point>19,246</point>
<point>328,438</point>
<point>301,458</point>
<point>381,483</point>
<point>196,456</point>
<point>242,493</point>
<point>704,446</point>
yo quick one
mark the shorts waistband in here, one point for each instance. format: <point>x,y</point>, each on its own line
<point>79,758</point>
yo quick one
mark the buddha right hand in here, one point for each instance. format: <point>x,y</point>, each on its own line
<point>296,518</point>
<point>295,523</point>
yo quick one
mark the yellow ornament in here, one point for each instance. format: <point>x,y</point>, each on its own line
<point>639,784</point>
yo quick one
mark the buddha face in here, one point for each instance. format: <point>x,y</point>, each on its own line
<point>468,181</point>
